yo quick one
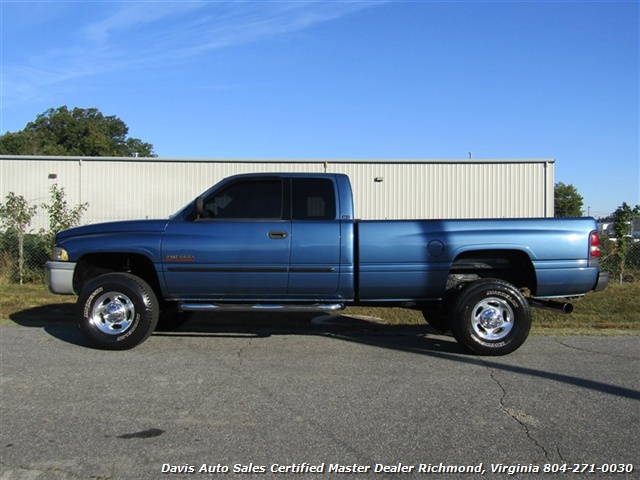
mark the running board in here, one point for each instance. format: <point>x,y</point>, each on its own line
<point>264,307</point>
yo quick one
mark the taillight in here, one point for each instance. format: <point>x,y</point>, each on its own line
<point>594,249</point>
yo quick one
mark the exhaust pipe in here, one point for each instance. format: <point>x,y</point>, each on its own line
<point>557,307</point>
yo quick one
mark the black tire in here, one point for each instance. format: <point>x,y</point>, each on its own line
<point>491,317</point>
<point>117,311</point>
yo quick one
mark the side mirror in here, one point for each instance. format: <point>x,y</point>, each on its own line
<point>199,207</point>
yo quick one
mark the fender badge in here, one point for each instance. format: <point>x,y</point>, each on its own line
<point>179,258</point>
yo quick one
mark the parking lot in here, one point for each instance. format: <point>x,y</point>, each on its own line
<point>289,398</point>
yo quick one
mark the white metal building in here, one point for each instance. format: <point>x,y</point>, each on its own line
<point>127,188</point>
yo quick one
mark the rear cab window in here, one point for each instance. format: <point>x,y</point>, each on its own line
<point>313,199</point>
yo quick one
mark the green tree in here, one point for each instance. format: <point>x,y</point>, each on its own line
<point>75,132</point>
<point>16,214</point>
<point>568,202</point>
<point>622,220</point>
<point>61,216</point>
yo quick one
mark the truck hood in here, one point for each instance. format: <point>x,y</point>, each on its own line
<point>128,226</point>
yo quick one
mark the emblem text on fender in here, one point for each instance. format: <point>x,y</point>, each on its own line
<point>179,258</point>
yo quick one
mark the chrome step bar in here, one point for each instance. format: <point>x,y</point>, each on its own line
<point>259,307</point>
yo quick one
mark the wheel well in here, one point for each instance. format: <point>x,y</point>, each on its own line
<point>93,265</point>
<point>513,266</point>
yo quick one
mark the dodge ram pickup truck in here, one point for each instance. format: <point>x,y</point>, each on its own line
<point>290,242</point>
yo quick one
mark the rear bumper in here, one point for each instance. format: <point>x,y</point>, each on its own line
<point>603,281</point>
<point>60,277</point>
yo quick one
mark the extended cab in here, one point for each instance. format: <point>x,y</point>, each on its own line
<point>291,242</point>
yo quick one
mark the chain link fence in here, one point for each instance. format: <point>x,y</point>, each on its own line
<point>621,260</point>
<point>25,267</point>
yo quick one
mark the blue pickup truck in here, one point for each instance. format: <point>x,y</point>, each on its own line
<point>291,242</point>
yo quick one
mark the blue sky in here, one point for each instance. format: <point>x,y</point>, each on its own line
<point>345,79</point>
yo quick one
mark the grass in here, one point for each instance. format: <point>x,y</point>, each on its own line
<point>22,299</point>
<point>614,311</point>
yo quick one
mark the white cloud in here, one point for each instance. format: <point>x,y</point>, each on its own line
<point>120,36</point>
<point>129,17</point>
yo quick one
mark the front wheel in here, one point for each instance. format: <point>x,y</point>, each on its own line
<point>491,317</point>
<point>117,311</point>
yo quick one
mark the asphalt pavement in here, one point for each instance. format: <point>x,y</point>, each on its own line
<point>289,398</point>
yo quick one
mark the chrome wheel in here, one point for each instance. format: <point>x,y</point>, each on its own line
<point>117,311</point>
<point>112,313</point>
<point>492,319</point>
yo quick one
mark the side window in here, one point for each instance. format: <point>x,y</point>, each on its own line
<point>247,199</point>
<point>313,199</point>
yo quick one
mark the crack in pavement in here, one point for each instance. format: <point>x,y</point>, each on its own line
<point>241,350</point>
<point>523,419</point>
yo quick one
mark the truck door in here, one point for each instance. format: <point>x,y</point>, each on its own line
<point>315,233</point>
<point>238,246</point>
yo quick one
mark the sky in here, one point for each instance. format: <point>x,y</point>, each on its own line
<point>345,79</point>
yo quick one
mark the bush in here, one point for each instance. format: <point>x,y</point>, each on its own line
<point>633,257</point>
<point>26,264</point>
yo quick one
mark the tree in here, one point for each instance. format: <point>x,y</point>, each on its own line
<point>61,216</point>
<point>622,220</point>
<point>568,202</point>
<point>75,132</point>
<point>16,214</point>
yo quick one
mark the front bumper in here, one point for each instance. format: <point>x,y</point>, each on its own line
<point>60,277</point>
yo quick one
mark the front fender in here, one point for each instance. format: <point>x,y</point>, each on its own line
<point>146,244</point>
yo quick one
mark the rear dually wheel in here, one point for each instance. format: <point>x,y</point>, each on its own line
<point>490,317</point>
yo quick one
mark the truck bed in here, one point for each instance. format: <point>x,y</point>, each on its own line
<point>411,259</point>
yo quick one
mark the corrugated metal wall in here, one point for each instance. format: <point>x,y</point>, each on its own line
<point>125,188</point>
<point>452,190</point>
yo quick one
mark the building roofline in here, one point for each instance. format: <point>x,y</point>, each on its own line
<point>278,160</point>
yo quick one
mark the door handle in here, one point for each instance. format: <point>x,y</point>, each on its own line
<point>277,234</point>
